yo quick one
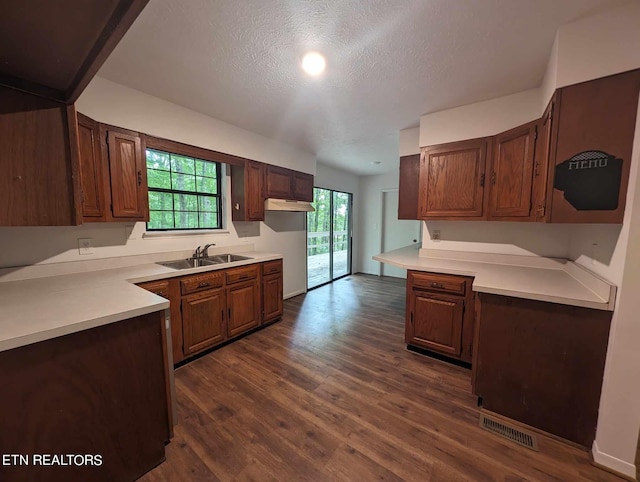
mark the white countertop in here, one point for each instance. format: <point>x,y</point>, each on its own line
<point>38,309</point>
<point>543,279</point>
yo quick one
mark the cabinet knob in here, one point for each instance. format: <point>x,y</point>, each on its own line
<point>493,177</point>
<point>203,284</point>
<point>481,180</point>
<point>437,285</point>
<point>139,178</point>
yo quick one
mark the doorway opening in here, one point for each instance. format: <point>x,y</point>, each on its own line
<point>328,237</point>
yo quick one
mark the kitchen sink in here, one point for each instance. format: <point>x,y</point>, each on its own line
<point>199,262</point>
<point>226,258</point>
<point>188,263</point>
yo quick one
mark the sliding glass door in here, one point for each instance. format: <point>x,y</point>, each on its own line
<point>328,237</point>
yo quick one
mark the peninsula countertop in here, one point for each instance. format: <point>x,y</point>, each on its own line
<point>544,279</point>
<point>39,308</point>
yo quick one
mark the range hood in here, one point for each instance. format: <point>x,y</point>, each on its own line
<point>285,205</point>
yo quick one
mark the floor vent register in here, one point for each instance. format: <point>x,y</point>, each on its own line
<point>508,431</point>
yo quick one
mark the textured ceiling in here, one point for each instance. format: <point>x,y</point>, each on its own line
<point>388,62</point>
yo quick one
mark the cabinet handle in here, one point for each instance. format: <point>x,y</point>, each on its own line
<point>493,177</point>
<point>481,180</point>
<point>537,169</point>
<point>203,284</point>
<point>437,285</point>
<point>139,178</point>
<point>411,318</point>
<point>222,314</point>
<point>229,313</point>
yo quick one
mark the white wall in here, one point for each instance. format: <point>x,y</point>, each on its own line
<point>331,178</point>
<point>371,188</point>
<point>480,119</point>
<point>525,239</point>
<point>410,141</point>
<point>115,104</point>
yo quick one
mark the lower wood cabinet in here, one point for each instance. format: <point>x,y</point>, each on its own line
<point>541,363</point>
<point>272,306</point>
<point>203,320</point>
<point>439,314</point>
<point>243,307</point>
<point>212,307</point>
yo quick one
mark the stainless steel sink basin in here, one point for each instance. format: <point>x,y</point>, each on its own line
<point>199,262</point>
<point>227,258</point>
<point>188,263</point>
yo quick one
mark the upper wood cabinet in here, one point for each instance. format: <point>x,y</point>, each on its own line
<point>39,161</point>
<point>91,175</point>
<point>592,139</point>
<point>282,183</point>
<point>127,173</point>
<point>247,192</point>
<point>511,173</point>
<point>570,166</point>
<point>113,175</point>
<point>409,187</point>
<point>452,179</point>
<point>302,186</point>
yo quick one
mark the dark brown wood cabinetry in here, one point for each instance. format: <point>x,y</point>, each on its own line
<point>541,363</point>
<point>439,315</point>
<point>593,127</point>
<point>409,187</point>
<point>243,299</point>
<point>511,173</point>
<point>99,391</point>
<point>452,179</point>
<point>203,320</point>
<point>38,161</point>
<point>272,306</point>
<point>127,174</point>
<point>282,183</point>
<point>570,166</point>
<point>209,308</point>
<point>113,176</point>
<point>247,192</point>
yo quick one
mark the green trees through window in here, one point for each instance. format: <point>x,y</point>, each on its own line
<point>184,192</point>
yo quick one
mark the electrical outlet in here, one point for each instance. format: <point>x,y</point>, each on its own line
<point>85,245</point>
<point>435,235</point>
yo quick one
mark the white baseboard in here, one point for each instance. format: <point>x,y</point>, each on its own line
<point>613,463</point>
<point>295,293</point>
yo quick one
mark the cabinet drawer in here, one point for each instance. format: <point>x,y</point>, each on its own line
<point>438,282</point>
<point>201,282</point>
<point>244,273</point>
<point>271,267</point>
<point>160,288</point>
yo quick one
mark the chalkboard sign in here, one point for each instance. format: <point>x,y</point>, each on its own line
<point>590,180</point>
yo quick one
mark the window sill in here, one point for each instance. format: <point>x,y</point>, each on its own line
<point>180,234</point>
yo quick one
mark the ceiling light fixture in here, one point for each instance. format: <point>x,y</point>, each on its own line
<point>313,63</point>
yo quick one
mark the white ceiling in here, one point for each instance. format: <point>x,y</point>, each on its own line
<point>388,62</point>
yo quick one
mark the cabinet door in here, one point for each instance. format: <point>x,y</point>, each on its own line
<point>278,180</point>
<point>302,186</point>
<point>408,187</point>
<point>512,172</point>
<point>594,126</point>
<point>452,180</point>
<point>544,141</point>
<point>203,320</point>
<point>272,297</point>
<point>243,306</point>
<point>91,169</point>
<point>435,322</point>
<point>127,172</point>
<point>254,193</point>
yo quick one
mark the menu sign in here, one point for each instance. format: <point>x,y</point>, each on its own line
<point>590,180</point>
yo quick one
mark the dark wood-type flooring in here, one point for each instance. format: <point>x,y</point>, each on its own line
<point>331,393</point>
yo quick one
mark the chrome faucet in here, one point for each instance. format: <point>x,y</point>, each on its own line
<point>197,253</point>
<point>205,251</point>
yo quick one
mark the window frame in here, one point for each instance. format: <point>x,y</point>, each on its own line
<point>184,150</point>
